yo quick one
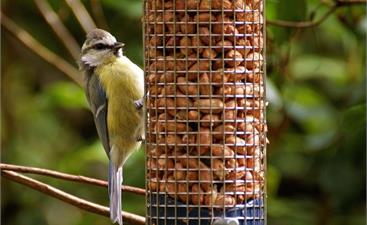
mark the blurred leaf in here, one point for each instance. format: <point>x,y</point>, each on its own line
<point>350,145</point>
<point>66,94</point>
<point>292,211</point>
<point>128,8</point>
<point>273,95</point>
<point>291,10</point>
<point>314,66</point>
<point>309,108</point>
<point>75,161</point>
<point>273,179</point>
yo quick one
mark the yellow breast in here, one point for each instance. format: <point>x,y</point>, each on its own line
<point>124,84</point>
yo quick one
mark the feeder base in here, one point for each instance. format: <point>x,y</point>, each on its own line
<point>163,209</point>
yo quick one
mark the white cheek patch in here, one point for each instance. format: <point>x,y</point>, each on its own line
<point>94,58</point>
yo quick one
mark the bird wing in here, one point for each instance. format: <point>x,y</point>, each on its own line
<point>99,104</point>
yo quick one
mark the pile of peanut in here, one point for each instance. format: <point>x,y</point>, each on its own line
<point>205,101</point>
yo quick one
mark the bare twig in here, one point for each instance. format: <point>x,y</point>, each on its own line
<point>97,11</point>
<point>58,27</point>
<point>71,199</point>
<point>350,2</point>
<point>313,23</point>
<point>69,177</point>
<point>81,14</point>
<point>41,50</point>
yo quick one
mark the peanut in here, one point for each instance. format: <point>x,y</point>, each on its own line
<point>210,120</point>
<point>223,129</point>
<point>183,193</point>
<point>224,200</point>
<point>223,44</point>
<point>253,61</point>
<point>222,150</point>
<point>203,140</point>
<point>179,173</point>
<point>209,53</point>
<point>234,58</point>
<point>204,18</point>
<point>185,44</point>
<point>187,26</point>
<point>238,145</point>
<point>219,169</point>
<point>210,196</point>
<point>197,196</point>
<point>204,84</point>
<point>187,87</point>
<point>209,105</point>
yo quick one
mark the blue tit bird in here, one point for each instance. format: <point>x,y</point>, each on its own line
<point>115,89</point>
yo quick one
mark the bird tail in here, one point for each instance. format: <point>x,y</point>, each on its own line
<point>114,191</point>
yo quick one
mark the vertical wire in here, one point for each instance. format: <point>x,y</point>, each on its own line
<point>186,50</point>
<point>253,110</point>
<point>245,112</point>
<point>197,97</point>
<point>146,87</point>
<point>222,69</point>
<point>211,35</point>
<point>263,78</point>
<point>167,109</point>
<point>155,36</point>
<point>175,102</point>
<point>246,182</point>
<point>146,45</point>
<point>235,94</point>
<point>264,131</point>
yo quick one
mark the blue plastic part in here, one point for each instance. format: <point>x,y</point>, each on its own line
<point>168,211</point>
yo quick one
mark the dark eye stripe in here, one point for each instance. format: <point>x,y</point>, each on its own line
<point>98,46</point>
<point>101,46</point>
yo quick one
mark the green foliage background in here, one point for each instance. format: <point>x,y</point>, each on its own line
<point>316,116</point>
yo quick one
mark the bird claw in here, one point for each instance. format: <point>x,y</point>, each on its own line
<point>139,103</point>
<point>140,138</point>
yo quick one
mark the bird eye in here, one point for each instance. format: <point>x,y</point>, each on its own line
<point>99,46</point>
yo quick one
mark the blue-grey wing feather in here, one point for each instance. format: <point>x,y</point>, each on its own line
<point>99,104</point>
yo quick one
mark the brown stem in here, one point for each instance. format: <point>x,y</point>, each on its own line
<point>58,27</point>
<point>81,15</point>
<point>65,176</point>
<point>350,2</point>
<point>41,50</point>
<point>314,23</point>
<point>71,199</point>
<point>98,14</point>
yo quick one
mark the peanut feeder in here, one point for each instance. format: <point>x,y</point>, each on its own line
<point>205,128</point>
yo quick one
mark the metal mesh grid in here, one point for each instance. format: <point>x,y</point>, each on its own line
<point>205,129</point>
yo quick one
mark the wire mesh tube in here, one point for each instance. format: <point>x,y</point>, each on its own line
<point>205,128</point>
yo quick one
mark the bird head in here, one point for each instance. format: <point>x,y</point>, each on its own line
<point>99,47</point>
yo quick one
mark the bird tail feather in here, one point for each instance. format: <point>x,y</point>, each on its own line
<point>114,191</point>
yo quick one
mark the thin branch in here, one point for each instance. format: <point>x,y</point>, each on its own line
<point>350,2</point>
<point>68,198</point>
<point>41,50</point>
<point>81,14</point>
<point>313,23</point>
<point>302,24</point>
<point>65,176</point>
<point>97,11</point>
<point>58,27</point>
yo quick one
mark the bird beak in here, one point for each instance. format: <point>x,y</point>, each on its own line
<point>118,45</point>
